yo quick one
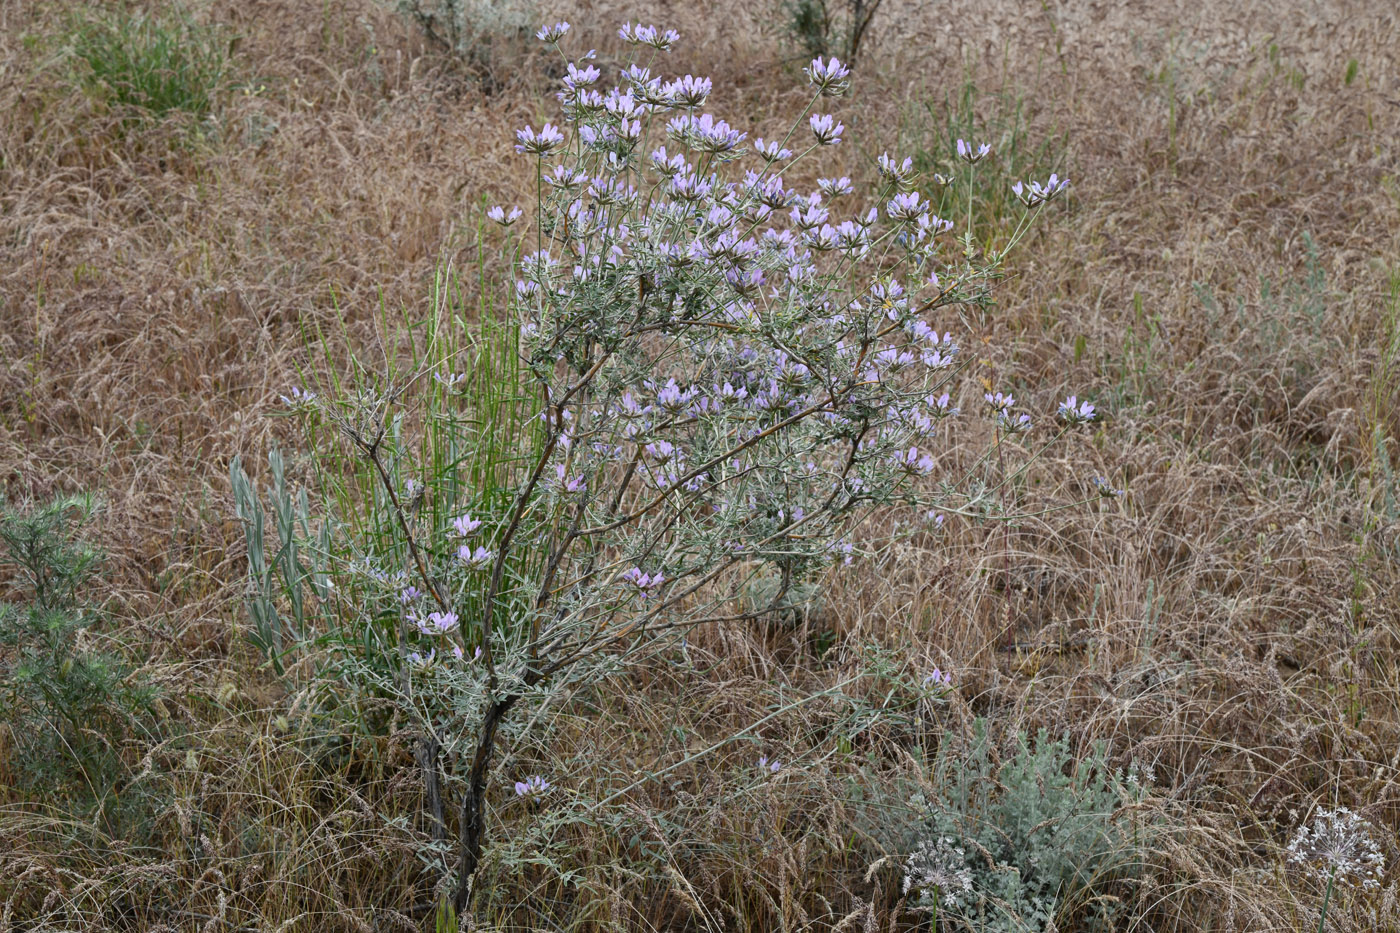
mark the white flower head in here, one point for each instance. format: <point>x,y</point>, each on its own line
<point>1339,846</point>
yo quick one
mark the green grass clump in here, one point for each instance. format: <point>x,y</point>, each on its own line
<point>1000,119</point>
<point>148,65</point>
<point>70,702</point>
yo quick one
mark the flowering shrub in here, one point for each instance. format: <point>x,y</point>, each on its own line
<point>729,371</point>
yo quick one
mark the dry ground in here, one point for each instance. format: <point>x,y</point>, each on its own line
<point>1232,621</point>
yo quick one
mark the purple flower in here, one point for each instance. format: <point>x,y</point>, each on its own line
<point>646,584</point>
<point>1000,403</point>
<point>532,788</point>
<point>772,194</point>
<point>688,91</point>
<point>663,452</point>
<point>769,767</point>
<point>941,406</point>
<point>422,660</point>
<point>811,217</point>
<point>552,33</point>
<point>826,130</point>
<point>914,462</point>
<point>669,165</point>
<point>465,525</point>
<point>300,398</point>
<point>576,77</point>
<point>1014,424</point>
<point>901,173</point>
<point>727,394</point>
<point>745,282</point>
<point>438,623</point>
<point>830,78</point>
<point>609,191</point>
<point>690,188</point>
<point>930,225</point>
<point>566,179</point>
<point>771,151</point>
<point>835,187</point>
<point>475,559</point>
<point>889,298</point>
<point>1075,411</point>
<point>410,594</point>
<point>569,483</point>
<point>972,153</point>
<point>542,144</point>
<point>499,215</point>
<point>649,35</point>
<point>1034,194</point>
<point>906,208</point>
<point>628,407</point>
<point>938,679</point>
<point>708,134</point>
<point>852,238</point>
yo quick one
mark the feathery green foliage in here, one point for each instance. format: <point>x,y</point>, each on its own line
<point>70,702</point>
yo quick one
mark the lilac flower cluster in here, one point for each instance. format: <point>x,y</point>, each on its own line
<point>299,398</point>
<point>532,788</point>
<point>1034,194</point>
<point>939,680</point>
<point>700,323</point>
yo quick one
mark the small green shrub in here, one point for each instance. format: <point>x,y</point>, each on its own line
<point>837,28</point>
<point>69,704</point>
<point>1040,841</point>
<point>149,65</point>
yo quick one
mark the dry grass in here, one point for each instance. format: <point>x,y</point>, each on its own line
<point>1231,621</point>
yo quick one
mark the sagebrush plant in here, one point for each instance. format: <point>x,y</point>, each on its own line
<point>724,377</point>
<point>486,34</point>
<point>147,65</point>
<point>1041,841</point>
<point>69,704</point>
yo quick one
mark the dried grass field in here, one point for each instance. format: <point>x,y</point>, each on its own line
<point>1223,279</point>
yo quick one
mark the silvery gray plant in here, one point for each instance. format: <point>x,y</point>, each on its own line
<point>730,373</point>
